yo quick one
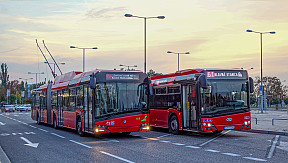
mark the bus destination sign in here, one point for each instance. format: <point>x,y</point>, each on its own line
<point>122,76</point>
<point>225,74</point>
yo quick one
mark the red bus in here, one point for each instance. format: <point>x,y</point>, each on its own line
<point>99,101</point>
<point>204,100</point>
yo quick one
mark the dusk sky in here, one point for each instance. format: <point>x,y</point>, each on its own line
<point>214,32</point>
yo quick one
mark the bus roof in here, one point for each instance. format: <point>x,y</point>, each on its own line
<point>74,78</point>
<point>191,71</point>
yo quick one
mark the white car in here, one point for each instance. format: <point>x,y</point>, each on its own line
<point>26,108</point>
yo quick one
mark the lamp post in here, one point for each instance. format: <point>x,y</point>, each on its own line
<point>178,55</point>
<point>261,89</point>
<point>36,73</point>
<point>54,65</point>
<point>128,66</point>
<point>145,18</point>
<point>83,54</point>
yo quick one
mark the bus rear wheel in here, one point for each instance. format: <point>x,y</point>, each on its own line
<point>79,127</point>
<point>174,125</point>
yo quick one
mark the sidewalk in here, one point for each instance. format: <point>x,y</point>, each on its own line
<point>264,121</point>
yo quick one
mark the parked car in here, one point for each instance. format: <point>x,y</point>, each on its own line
<point>26,108</point>
<point>9,108</point>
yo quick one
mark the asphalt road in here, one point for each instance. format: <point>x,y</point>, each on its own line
<point>19,136</point>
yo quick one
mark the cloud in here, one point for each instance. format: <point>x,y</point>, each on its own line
<point>106,13</point>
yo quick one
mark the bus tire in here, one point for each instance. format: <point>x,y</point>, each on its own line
<point>174,125</point>
<point>79,127</point>
<point>54,121</point>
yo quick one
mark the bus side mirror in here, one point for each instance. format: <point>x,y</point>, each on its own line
<point>251,84</point>
<point>92,82</point>
<point>151,90</point>
<point>203,81</point>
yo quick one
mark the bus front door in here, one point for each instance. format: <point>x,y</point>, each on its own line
<point>88,119</point>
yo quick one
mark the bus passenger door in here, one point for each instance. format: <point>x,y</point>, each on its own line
<point>189,106</point>
<point>85,108</point>
<point>88,120</point>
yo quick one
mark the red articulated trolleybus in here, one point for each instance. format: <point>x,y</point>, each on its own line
<point>204,100</point>
<point>99,101</point>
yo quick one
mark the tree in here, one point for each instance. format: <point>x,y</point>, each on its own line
<point>153,73</point>
<point>4,77</point>
<point>272,86</point>
<point>12,99</point>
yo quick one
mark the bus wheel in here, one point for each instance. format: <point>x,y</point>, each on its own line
<point>54,121</point>
<point>174,125</point>
<point>79,127</point>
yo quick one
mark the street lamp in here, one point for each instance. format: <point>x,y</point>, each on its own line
<point>178,55</point>
<point>128,66</point>
<point>261,88</point>
<point>83,54</point>
<point>54,65</point>
<point>36,73</point>
<point>145,18</point>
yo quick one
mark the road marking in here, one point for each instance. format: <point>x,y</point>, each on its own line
<point>5,134</point>
<point>120,158</point>
<point>212,150</point>
<point>1,123</point>
<point>113,140</point>
<point>163,136</point>
<point>80,144</point>
<point>42,129</point>
<point>164,141</point>
<point>283,145</point>
<point>178,144</point>
<point>214,138</point>
<point>255,159</point>
<point>273,147</point>
<point>153,139</point>
<point>231,154</point>
<point>194,147</point>
<point>16,115</point>
<point>32,126</point>
<point>58,135</point>
<point>28,133</point>
<point>35,145</point>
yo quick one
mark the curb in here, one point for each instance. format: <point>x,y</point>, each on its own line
<point>266,132</point>
<point>3,156</point>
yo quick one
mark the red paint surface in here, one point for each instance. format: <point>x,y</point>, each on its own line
<point>237,121</point>
<point>159,118</point>
<point>132,123</point>
<point>69,119</point>
<point>45,116</point>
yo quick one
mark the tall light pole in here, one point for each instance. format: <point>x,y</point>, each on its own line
<point>145,18</point>
<point>62,63</point>
<point>261,89</point>
<point>128,66</point>
<point>36,73</point>
<point>178,55</point>
<point>83,54</point>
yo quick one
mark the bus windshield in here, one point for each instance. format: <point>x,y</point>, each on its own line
<point>116,98</point>
<point>224,95</point>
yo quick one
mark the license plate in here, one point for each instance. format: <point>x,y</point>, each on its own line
<point>229,127</point>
